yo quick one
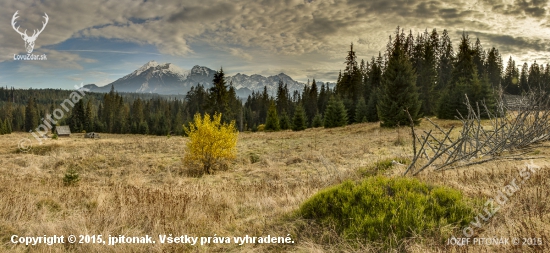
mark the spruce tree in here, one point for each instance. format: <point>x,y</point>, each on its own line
<point>8,123</point>
<point>478,58</point>
<point>534,81</point>
<point>323,98</point>
<point>372,113</point>
<point>465,80</point>
<point>446,61</point>
<point>494,68</point>
<point>398,91</point>
<point>317,120</point>
<point>510,82</point>
<point>284,121</point>
<point>218,96</point>
<point>31,115</point>
<point>361,111</point>
<point>272,121</point>
<point>300,119</point>
<point>335,114</point>
<point>523,84</point>
<point>426,69</point>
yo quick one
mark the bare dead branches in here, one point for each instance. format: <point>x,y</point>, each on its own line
<point>505,129</point>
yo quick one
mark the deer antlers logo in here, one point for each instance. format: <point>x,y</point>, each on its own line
<point>29,40</point>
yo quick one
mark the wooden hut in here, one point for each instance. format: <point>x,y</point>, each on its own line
<point>63,131</point>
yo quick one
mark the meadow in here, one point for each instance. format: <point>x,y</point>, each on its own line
<point>137,185</point>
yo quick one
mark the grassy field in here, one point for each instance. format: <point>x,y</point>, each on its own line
<point>136,185</point>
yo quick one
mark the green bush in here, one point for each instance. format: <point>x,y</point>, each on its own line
<point>71,177</point>
<point>388,210</point>
<point>381,166</point>
<point>254,158</point>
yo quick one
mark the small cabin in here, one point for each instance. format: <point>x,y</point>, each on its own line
<point>63,131</point>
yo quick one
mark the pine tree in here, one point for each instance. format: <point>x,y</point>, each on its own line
<point>361,111</point>
<point>31,115</point>
<point>478,58</point>
<point>272,121</point>
<point>310,101</point>
<point>510,82</point>
<point>323,99</point>
<point>523,84</point>
<point>465,80</point>
<point>426,69</point>
<point>3,127</point>
<point>534,80</point>
<point>336,114</point>
<point>89,117</point>
<point>446,61</point>
<point>372,113</point>
<point>494,68</point>
<point>282,98</point>
<point>398,91</point>
<point>350,86</point>
<point>317,120</point>
<point>284,121</point>
<point>218,96</point>
<point>300,119</point>
<point>8,123</point>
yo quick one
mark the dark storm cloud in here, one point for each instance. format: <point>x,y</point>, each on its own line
<point>511,43</point>
<point>521,8</point>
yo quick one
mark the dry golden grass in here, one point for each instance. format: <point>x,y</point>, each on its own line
<point>136,185</point>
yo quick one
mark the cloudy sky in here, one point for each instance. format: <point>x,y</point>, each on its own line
<point>101,41</point>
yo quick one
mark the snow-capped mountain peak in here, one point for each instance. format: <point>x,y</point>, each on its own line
<point>148,65</point>
<point>167,78</point>
<point>200,70</point>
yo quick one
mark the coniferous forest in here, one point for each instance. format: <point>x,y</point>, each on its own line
<point>422,73</point>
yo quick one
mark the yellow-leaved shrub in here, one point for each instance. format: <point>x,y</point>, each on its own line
<point>211,142</point>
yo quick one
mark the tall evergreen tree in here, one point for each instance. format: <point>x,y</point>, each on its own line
<point>310,101</point>
<point>300,119</point>
<point>510,82</point>
<point>534,80</point>
<point>361,111</point>
<point>350,86</point>
<point>494,68</point>
<point>398,91</point>
<point>317,121</point>
<point>478,58</point>
<point>523,84</point>
<point>446,61</point>
<point>218,96</point>
<point>284,121</point>
<point>8,124</point>
<point>372,113</point>
<point>465,80</point>
<point>323,99</point>
<point>425,59</point>
<point>336,114</point>
<point>31,115</point>
<point>272,122</point>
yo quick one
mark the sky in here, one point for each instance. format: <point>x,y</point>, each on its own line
<point>101,41</point>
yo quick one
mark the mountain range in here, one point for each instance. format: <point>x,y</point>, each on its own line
<point>168,79</point>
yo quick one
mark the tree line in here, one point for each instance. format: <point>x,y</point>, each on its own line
<point>419,74</point>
